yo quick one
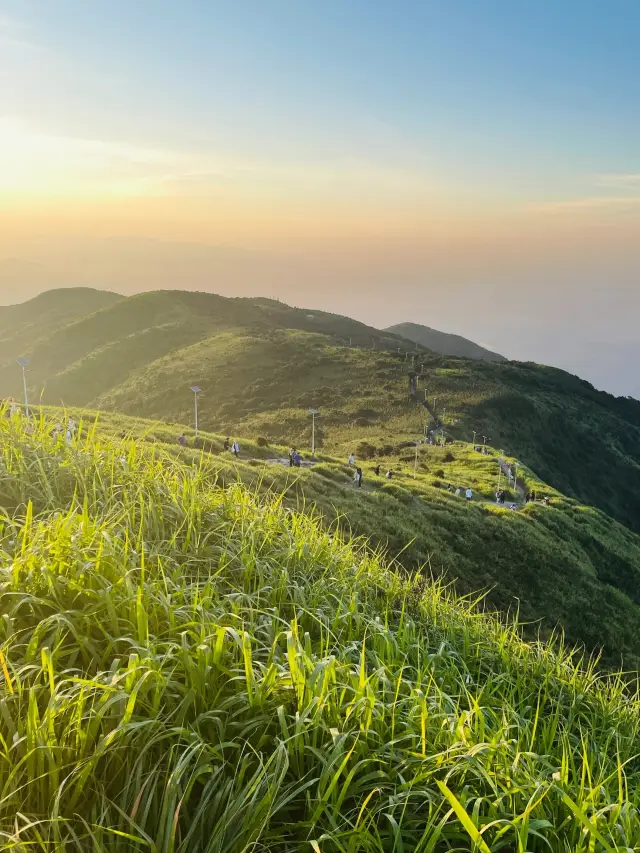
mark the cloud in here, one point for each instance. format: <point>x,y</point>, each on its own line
<point>620,203</point>
<point>42,163</point>
<point>623,198</point>
<point>629,181</point>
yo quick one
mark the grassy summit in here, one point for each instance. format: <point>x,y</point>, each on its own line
<point>191,667</point>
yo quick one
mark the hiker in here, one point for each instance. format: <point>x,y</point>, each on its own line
<point>352,460</point>
<point>458,491</point>
<point>292,453</point>
<point>469,494</point>
<point>389,474</point>
<point>235,448</point>
<point>297,459</point>
<point>513,506</point>
<point>227,444</point>
<point>376,470</point>
<point>182,441</point>
<point>71,429</point>
<point>547,500</point>
<point>358,478</point>
<point>534,496</point>
<point>527,497</point>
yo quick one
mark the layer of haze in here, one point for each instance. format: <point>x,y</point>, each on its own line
<point>473,165</point>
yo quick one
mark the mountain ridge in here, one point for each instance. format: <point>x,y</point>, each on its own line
<point>444,343</point>
<point>262,364</point>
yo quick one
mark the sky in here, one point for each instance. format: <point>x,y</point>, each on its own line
<point>473,165</point>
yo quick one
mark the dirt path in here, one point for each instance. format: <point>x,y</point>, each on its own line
<point>284,460</point>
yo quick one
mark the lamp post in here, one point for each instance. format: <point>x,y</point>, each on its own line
<point>415,462</point>
<point>196,390</point>
<point>475,432</point>
<point>313,413</point>
<point>24,363</point>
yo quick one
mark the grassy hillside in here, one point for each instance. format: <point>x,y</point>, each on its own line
<point>79,360</point>
<point>262,364</point>
<point>189,667</point>
<point>565,565</point>
<point>24,326</point>
<point>443,343</point>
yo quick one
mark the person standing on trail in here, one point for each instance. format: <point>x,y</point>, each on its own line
<point>534,496</point>
<point>389,474</point>
<point>182,441</point>
<point>227,444</point>
<point>235,448</point>
<point>469,494</point>
<point>292,452</point>
<point>71,429</point>
<point>376,470</point>
<point>358,478</point>
<point>352,460</point>
<point>297,459</point>
<point>458,491</point>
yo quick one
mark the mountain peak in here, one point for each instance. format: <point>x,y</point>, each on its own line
<point>443,342</point>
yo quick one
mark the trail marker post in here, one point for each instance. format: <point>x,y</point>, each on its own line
<point>196,390</point>
<point>313,413</point>
<point>417,443</point>
<point>24,363</point>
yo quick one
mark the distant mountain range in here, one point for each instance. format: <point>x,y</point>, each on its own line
<point>443,343</point>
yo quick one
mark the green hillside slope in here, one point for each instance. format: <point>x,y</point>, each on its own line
<point>262,364</point>
<point>564,565</point>
<point>24,326</point>
<point>189,667</point>
<point>443,342</point>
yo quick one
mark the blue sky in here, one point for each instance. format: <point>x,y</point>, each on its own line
<point>522,97</point>
<point>484,143</point>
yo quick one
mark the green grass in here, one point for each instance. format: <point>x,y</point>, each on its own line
<point>188,666</point>
<point>566,565</point>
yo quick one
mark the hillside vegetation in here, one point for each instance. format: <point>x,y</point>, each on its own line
<point>262,364</point>
<point>24,326</point>
<point>443,342</point>
<point>564,566</point>
<point>191,667</point>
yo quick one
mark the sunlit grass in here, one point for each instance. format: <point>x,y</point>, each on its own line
<point>187,667</point>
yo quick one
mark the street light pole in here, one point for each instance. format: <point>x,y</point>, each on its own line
<point>24,363</point>
<point>474,437</point>
<point>196,390</point>
<point>313,413</point>
<point>415,463</point>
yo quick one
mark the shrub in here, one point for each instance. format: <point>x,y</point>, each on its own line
<point>366,450</point>
<point>261,441</point>
<point>439,473</point>
<point>386,450</point>
<point>449,457</point>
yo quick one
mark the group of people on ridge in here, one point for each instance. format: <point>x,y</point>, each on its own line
<point>294,458</point>
<point>233,446</point>
<point>357,477</point>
